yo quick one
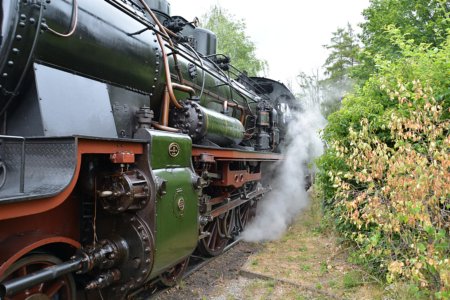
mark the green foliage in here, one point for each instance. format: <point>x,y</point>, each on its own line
<point>420,21</point>
<point>352,279</point>
<point>232,40</point>
<point>385,175</point>
<point>344,52</point>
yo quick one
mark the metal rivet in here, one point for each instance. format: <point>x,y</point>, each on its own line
<point>22,24</point>
<point>18,37</point>
<point>10,63</point>
<point>32,21</point>
<point>23,17</point>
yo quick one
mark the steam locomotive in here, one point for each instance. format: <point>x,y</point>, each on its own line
<point>127,144</point>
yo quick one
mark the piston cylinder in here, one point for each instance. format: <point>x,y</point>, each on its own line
<point>201,123</point>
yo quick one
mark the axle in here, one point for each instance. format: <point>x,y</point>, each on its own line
<point>14,286</point>
<point>104,256</point>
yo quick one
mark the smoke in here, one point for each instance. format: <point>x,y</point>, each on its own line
<point>288,196</point>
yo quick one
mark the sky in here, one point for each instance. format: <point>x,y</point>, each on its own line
<point>288,34</point>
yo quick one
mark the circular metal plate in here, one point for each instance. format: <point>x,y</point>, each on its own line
<point>174,149</point>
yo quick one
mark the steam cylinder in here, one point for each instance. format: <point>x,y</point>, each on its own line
<point>202,123</point>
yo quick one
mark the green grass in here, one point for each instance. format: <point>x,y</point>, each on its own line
<point>352,279</point>
<point>305,267</point>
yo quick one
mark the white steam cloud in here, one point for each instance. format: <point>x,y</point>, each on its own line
<point>288,196</point>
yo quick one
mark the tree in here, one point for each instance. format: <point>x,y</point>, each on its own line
<point>421,21</point>
<point>344,51</point>
<point>385,174</point>
<point>232,40</point>
<point>310,94</point>
<point>338,66</point>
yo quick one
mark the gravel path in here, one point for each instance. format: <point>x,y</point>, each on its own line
<point>217,280</point>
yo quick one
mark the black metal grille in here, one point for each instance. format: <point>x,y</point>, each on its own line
<point>48,167</point>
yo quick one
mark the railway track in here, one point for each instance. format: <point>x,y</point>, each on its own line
<point>195,263</point>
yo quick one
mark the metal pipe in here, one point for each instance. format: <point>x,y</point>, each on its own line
<point>83,262</point>
<point>73,25</point>
<point>183,88</point>
<point>173,99</point>
<point>163,29</point>
<point>13,286</point>
<point>167,34</point>
<point>165,108</point>
<point>219,99</point>
<point>241,92</point>
<point>202,68</point>
<point>165,128</point>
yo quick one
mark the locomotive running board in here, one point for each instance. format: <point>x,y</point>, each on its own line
<point>234,154</point>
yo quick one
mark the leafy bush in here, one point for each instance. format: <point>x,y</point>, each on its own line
<point>386,172</point>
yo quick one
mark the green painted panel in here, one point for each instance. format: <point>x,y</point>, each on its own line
<point>176,218</point>
<point>164,146</point>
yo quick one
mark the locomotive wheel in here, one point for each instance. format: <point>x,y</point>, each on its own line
<point>252,210</point>
<point>62,288</point>
<point>220,230</point>
<point>242,216</point>
<point>174,275</point>
<point>245,214</point>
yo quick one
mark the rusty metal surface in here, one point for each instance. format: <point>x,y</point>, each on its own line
<point>235,178</point>
<point>122,157</point>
